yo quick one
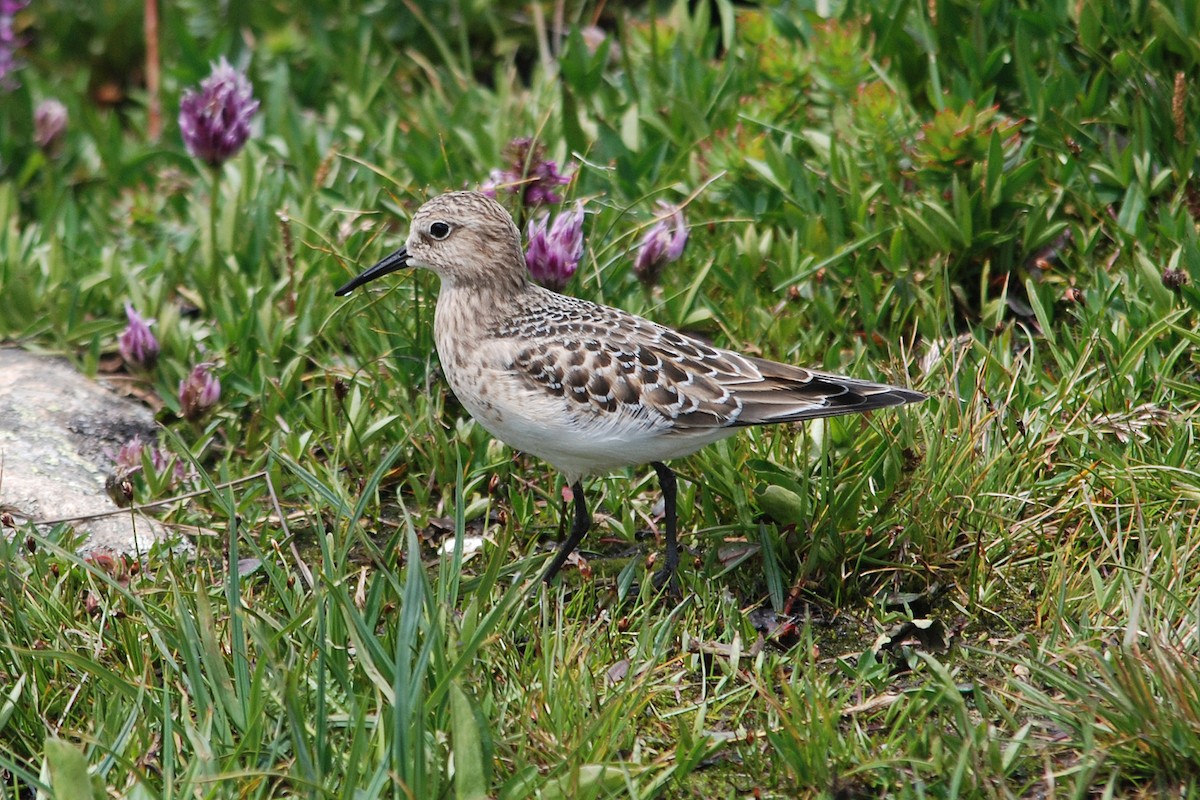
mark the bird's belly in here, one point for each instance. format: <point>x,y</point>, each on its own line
<point>575,439</point>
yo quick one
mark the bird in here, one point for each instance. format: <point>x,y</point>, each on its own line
<point>589,388</point>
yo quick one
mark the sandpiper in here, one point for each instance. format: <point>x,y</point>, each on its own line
<point>586,387</point>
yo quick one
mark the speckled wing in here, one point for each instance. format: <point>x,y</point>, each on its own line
<point>610,362</point>
<point>784,393</point>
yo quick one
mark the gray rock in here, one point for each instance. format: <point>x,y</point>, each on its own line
<point>59,431</point>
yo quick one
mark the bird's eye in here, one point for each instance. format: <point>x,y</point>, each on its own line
<point>439,230</point>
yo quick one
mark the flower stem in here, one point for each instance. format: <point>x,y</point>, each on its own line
<point>214,259</point>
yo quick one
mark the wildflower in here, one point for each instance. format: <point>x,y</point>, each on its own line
<point>594,37</point>
<point>129,458</point>
<point>136,343</point>
<point>553,254</point>
<point>662,244</point>
<point>215,122</point>
<point>199,392</point>
<point>179,470</point>
<point>1174,279</point>
<point>529,174</point>
<point>49,124</point>
<point>127,463</point>
<point>9,43</point>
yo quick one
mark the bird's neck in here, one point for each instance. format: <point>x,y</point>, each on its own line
<point>467,314</point>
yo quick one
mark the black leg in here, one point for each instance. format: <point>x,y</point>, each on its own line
<point>583,521</point>
<point>666,479</point>
<point>562,515</point>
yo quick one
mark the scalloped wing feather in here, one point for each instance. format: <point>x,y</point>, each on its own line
<point>614,364</point>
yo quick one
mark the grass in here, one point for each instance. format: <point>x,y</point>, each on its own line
<point>991,594</point>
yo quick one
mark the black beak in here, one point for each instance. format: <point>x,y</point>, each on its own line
<point>397,260</point>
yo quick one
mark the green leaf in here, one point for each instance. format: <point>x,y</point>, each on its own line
<point>577,140</point>
<point>67,769</point>
<point>772,568</point>
<point>470,766</point>
<point>10,701</point>
<point>587,782</point>
<point>214,656</point>
<point>783,505</point>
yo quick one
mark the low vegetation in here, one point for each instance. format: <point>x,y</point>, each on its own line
<point>991,594</point>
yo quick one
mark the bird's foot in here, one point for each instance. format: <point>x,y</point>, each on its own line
<point>666,578</point>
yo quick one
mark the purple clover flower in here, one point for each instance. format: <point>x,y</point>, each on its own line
<point>9,63</point>
<point>662,244</point>
<point>546,179</point>
<point>554,252</point>
<point>199,392</point>
<point>129,456</point>
<point>529,173</point>
<point>49,124</point>
<point>136,343</point>
<point>129,461</point>
<point>215,122</point>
